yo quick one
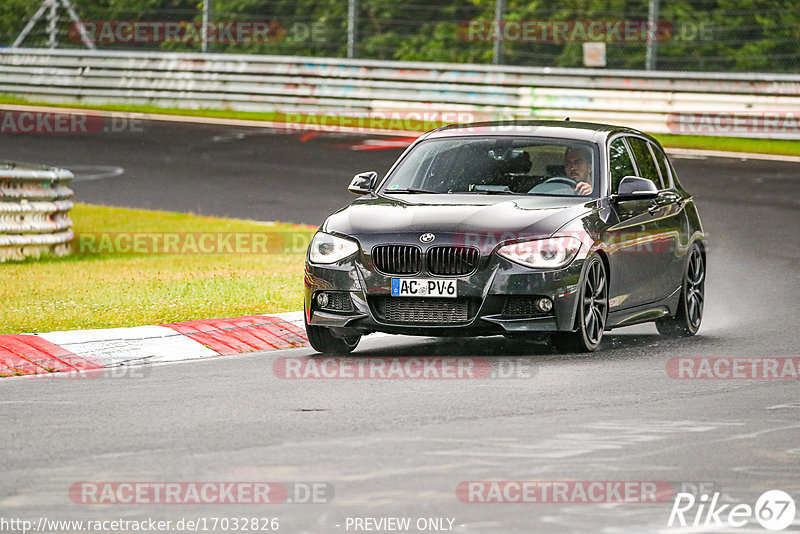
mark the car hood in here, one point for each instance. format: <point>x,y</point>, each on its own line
<point>450,213</point>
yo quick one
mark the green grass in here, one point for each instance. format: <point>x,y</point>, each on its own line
<point>114,290</point>
<point>783,147</point>
<point>704,142</point>
<point>341,120</point>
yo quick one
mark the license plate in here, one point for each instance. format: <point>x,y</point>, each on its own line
<point>423,287</point>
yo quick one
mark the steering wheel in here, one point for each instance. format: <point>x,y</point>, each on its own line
<point>557,185</point>
<point>561,180</point>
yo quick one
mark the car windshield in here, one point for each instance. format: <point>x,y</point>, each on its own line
<point>497,165</point>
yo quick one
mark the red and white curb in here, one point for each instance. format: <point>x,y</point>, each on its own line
<point>81,350</point>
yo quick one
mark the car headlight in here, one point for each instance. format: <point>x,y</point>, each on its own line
<point>551,253</point>
<point>327,248</point>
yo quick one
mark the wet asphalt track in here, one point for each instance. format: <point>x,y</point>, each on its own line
<point>400,448</point>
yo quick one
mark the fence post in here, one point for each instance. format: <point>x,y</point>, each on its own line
<point>652,21</point>
<point>206,17</point>
<point>499,17</point>
<point>352,28</point>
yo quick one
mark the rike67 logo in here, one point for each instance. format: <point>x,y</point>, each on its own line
<point>774,510</point>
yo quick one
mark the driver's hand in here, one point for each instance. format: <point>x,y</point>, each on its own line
<point>583,188</point>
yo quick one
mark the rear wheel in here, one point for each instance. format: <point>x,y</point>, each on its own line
<point>322,340</point>
<point>686,321</point>
<point>592,312</point>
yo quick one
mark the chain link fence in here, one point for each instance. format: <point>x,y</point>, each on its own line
<point>698,35</point>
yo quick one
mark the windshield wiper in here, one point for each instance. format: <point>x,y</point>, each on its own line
<point>497,192</point>
<point>488,192</point>
<point>410,190</point>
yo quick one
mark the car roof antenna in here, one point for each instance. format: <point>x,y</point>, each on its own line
<point>566,119</point>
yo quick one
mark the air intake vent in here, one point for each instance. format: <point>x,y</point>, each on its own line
<point>453,261</point>
<point>397,259</point>
<point>426,310</point>
<point>521,306</point>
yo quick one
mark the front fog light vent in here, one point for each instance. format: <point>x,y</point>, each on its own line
<point>525,306</point>
<point>334,301</point>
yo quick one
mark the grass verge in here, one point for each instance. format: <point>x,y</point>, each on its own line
<point>106,288</point>
<point>783,147</point>
<point>703,142</point>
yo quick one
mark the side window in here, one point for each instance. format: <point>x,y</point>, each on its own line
<point>661,158</point>
<point>672,174</point>
<point>644,161</point>
<point>620,162</point>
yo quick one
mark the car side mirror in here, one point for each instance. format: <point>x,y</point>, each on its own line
<point>635,188</point>
<point>363,183</point>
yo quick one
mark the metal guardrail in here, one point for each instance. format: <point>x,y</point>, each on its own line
<point>34,206</point>
<point>646,100</point>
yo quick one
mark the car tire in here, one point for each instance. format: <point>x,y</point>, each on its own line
<point>592,311</point>
<point>686,322</point>
<point>323,341</point>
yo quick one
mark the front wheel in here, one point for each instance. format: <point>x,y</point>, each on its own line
<point>592,312</point>
<point>322,340</point>
<point>686,321</point>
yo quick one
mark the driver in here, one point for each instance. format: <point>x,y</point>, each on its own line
<point>578,166</point>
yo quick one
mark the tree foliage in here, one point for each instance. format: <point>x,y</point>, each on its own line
<point>709,35</point>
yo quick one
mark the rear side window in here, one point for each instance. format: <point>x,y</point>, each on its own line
<point>620,162</point>
<point>644,161</point>
<point>661,159</point>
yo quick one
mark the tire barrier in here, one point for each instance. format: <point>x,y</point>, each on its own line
<point>34,211</point>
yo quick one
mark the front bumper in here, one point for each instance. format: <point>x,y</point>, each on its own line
<point>487,292</point>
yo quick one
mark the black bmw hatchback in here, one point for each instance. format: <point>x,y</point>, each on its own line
<point>544,228</point>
